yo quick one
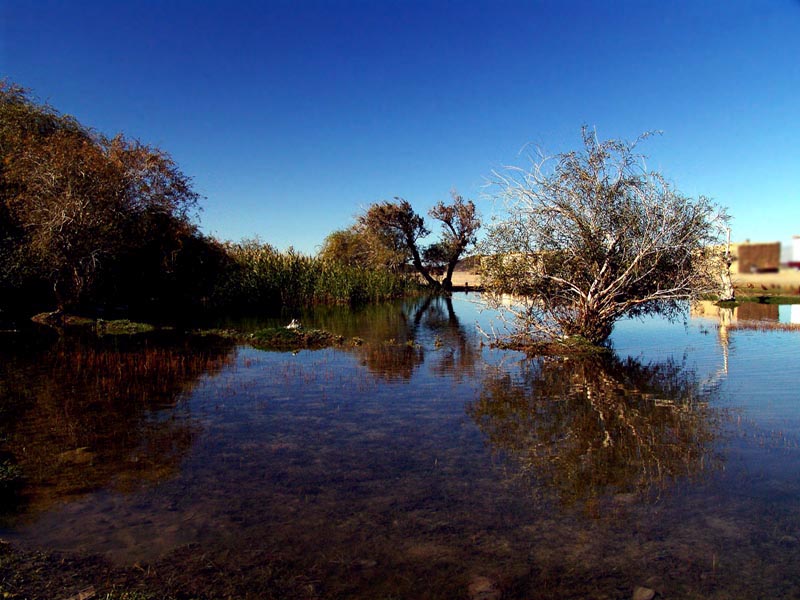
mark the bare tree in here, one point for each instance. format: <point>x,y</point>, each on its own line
<point>592,236</point>
<point>592,426</point>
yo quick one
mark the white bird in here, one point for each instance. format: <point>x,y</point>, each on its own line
<point>295,324</point>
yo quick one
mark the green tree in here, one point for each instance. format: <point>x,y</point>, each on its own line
<point>460,224</point>
<point>399,228</point>
<point>345,246</point>
<point>358,246</point>
<point>591,236</point>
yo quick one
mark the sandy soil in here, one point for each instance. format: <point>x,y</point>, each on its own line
<point>461,278</point>
<point>785,278</point>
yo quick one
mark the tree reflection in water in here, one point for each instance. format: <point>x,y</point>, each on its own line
<point>458,351</point>
<point>403,349</point>
<point>392,360</point>
<point>83,414</point>
<point>586,427</point>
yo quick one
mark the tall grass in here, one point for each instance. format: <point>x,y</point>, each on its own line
<point>259,276</point>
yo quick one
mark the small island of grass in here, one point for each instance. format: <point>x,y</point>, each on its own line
<point>281,338</point>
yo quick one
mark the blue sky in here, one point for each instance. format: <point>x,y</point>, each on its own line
<point>293,116</point>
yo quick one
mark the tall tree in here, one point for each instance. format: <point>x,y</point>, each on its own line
<point>24,125</point>
<point>460,225</point>
<point>400,229</point>
<point>592,236</point>
<point>66,203</point>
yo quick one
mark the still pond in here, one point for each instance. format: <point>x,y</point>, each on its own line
<point>419,463</point>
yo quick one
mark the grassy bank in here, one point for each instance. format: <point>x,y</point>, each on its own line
<point>260,276</point>
<point>251,277</point>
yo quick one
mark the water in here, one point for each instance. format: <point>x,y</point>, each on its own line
<point>420,464</point>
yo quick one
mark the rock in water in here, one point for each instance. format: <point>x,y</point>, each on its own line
<point>643,593</point>
<point>483,588</point>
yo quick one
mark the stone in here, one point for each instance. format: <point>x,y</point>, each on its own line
<point>643,593</point>
<point>483,588</point>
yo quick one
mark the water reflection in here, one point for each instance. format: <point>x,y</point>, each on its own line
<point>399,338</point>
<point>81,414</point>
<point>356,472</point>
<point>430,323</point>
<point>592,426</point>
<point>458,350</point>
<point>746,311</point>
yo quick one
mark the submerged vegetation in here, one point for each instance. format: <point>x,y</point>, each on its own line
<point>59,321</point>
<point>283,338</point>
<point>294,339</point>
<point>563,347</point>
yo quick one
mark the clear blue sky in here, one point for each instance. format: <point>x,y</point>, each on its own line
<point>292,116</point>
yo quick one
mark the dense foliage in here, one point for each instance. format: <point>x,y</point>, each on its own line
<point>358,246</point>
<point>90,223</point>
<point>87,220</point>
<point>388,235</point>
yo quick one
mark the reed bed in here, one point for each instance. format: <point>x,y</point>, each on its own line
<point>261,276</point>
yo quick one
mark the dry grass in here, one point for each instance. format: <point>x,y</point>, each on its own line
<point>785,282</point>
<point>764,326</point>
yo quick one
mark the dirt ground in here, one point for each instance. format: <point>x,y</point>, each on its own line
<point>787,279</point>
<point>461,278</point>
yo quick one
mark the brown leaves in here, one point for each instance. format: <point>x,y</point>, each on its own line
<point>75,200</point>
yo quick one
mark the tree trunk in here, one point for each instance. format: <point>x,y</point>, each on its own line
<point>421,268</point>
<point>447,282</point>
<point>589,325</point>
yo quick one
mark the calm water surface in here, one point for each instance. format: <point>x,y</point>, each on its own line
<point>419,464</point>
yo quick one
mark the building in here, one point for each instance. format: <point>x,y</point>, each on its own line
<point>757,257</point>
<point>794,258</point>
